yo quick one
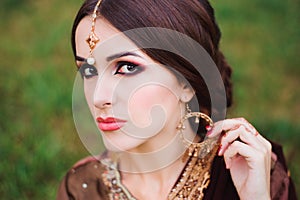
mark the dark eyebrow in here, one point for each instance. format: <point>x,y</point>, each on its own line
<point>78,58</point>
<point>81,60</point>
<point>110,58</point>
<point>122,54</point>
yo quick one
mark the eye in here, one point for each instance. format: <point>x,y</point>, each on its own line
<point>87,71</point>
<point>127,68</point>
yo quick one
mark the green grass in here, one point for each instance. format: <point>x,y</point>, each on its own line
<point>38,137</point>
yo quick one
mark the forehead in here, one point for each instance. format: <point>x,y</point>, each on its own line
<point>103,29</point>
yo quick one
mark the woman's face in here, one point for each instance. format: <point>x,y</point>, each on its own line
<point>136,102</point>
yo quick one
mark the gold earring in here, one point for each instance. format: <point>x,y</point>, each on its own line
<point>197,116</point>
<point>201,149</point>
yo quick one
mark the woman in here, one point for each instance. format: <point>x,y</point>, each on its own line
<point>150,68</point>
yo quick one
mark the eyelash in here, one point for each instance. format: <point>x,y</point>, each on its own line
<point>88,71</point>
<point>135,69</point>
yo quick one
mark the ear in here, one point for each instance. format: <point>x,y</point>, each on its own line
<point>187,93</point>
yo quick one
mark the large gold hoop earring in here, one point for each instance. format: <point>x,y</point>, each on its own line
<point>197,116</point>
<point>197,149</point>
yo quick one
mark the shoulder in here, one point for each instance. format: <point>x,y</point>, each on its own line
<point>85,171</point>
<point>84,180</point>
<point>282,186</point>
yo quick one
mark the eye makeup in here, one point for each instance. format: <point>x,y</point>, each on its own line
<point>87,71</point>
<point>127,68</point>
<point>122,63</point>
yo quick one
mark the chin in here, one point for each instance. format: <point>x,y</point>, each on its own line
<point>121,145</point>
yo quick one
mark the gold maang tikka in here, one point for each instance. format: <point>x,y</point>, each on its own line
<point>93,39</point>
<point>196,149</point>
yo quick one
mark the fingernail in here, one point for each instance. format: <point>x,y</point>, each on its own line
<point>209,132</point>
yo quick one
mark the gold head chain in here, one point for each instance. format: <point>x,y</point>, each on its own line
<point>93,39</point>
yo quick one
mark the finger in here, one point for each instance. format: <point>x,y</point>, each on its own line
<point>250,139</point>
<point>227,139</point>
<point>266,147</point>
<point>253,157</point>
<point>229,124</point>
<point>264,141</point>
<point>242,134</point>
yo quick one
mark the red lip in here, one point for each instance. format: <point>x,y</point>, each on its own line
<point>110,123</point>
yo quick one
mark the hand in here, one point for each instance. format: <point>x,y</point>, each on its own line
<point>247,155</point>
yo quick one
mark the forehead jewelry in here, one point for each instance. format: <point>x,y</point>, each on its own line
<point>93,39</point>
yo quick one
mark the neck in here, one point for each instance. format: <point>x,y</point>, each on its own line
<point>155,184</point>
<point>156,170</point>
<point>139,163</point>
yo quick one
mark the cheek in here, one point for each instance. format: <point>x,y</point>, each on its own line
<point>151,102</point>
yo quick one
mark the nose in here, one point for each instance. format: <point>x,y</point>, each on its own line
<point>103,94</point>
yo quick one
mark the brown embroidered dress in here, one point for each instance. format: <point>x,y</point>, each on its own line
<point>93,179</point>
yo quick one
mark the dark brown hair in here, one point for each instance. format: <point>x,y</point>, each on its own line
<point>194,18</point>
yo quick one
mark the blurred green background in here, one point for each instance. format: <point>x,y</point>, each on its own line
<point>39,142</point>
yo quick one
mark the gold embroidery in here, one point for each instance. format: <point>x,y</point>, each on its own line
<point>191,184</point>
<point>194,179</point>
<point>112,179</point>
